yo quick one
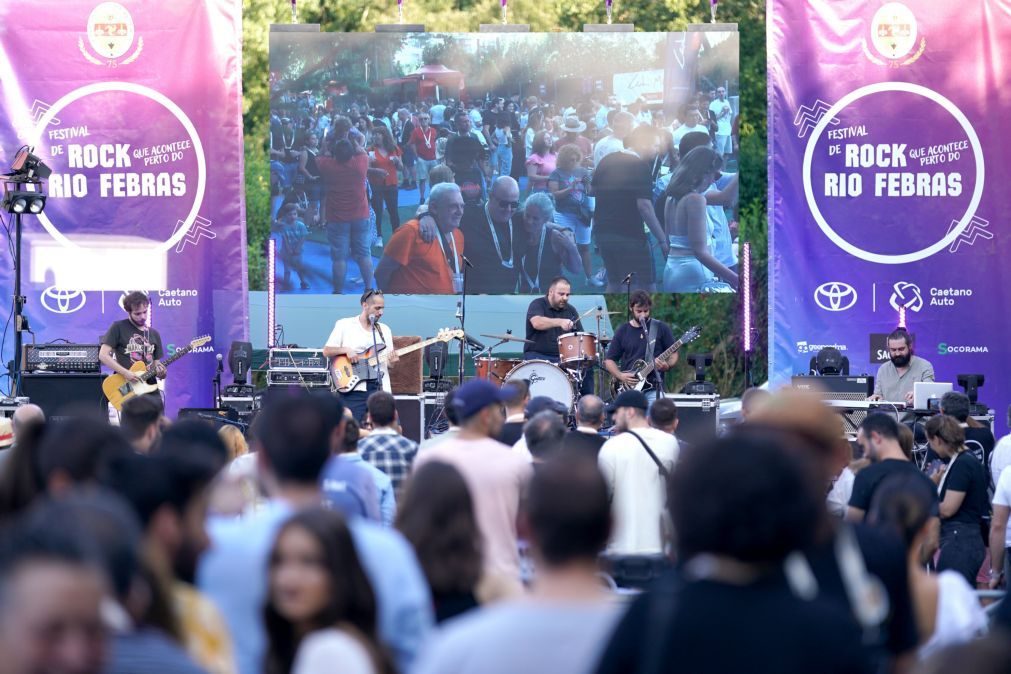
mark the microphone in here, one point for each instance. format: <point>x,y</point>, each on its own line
<point>221,365</point>
<point>474,344</point>
<point>628,279</point>
<point>372,319</point>
<point>466,261</point>
<point>459,311</point>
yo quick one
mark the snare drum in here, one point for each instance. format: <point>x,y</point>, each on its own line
<point>577,349</point>
<point>494,369</point>
<point>546,379</point>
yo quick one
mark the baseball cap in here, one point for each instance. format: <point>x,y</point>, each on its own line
<point>477,394</point>
<point>629,399</point>
<point>541,403</point>
<point>6,432</point>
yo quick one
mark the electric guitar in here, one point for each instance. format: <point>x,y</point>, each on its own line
<point>346,375</point>
<point>641,370</point>
<point>118,389</point>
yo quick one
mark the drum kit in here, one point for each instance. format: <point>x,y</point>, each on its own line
<point>578,353</point>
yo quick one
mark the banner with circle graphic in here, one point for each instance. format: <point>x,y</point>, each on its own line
<point>888,184</point>
<point>136,107</point>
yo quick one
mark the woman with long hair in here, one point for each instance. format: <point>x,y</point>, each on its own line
<point>691,266</point>
<point>946,609</point>
<point>540,163</point>
<point>385,155</point>
<point>321,612</point>
<point>437,517</point>
<point>544,247</point>
<point>961,488</point>
<point>569,184</point>
<point>346,205</point>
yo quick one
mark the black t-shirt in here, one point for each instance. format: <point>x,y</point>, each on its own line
<point>546,341</point>
<point>131,344</point>
<point>981,446</point>
<point>488,275</point>
<point>966,474</point>
<point>535,277</point>
<point>706,627</point>
<point>619,180</point>
<point>463,151</point>
<point>587,444</point>
<point>405,133</point>
<point>870,478</point>
<point>511,432</point>
<point>471,183</point>
<point>629,344</point>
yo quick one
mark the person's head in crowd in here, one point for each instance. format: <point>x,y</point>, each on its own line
<point>663,415</point>
<point>558,292</point>
<point>906,441</point>
<point>295,437</point>
<point>955,404</point>
<point>382,410</point>
<point>572,127</point>
<point>881,437</point>
<point>51,594</point>
<point>590,412</point>
<point>74,450</point>
<point>139,420</point>
<point>504,199</point>
<point>316,582</point>
<point>341,127</point>
<point>542,144</point>
<point>516,403</point>
<point>437,517</point>
<point>352,434</point>
<point>538,211</point>
<point>643,141</point>
<point>445,204</point>
<point>692,140</point>
<point>382,137</point>
<point>694,117</point>
<point>900,347</point>
<point>751,400</point>
<point>696,171</point>
<point>567,512</point>
<point>539,404</point>
<point>629,411</point>
<point>441,173</point>
<point>641,305</point>
<point>234,440</point>
<point>569,157</point>
<point>478,407</point>
<point>343,150</point>
<point>945,435</point>
<point>902,505</point>
<point>463,123</point>
<point>25,416</point>
<point>20,480</point>
<point>544,433</point>
<point>621,123</point>
<point>770,512</point>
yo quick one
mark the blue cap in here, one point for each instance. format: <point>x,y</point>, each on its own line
<point>477,394</point>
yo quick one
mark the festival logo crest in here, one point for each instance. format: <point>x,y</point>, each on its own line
<point>110,34</point>
<point>893,35</point>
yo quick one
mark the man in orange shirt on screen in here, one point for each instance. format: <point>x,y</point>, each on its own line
<point>410,265</point>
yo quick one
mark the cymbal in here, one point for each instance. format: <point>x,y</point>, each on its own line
<point>508,338</point>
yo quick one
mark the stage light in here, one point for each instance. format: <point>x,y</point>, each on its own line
<point>271,290</point>
<point>23,201</point>
<point>28,168</point>
<point>830,361</point>
<point>700,361</point>
<point>971,383</point>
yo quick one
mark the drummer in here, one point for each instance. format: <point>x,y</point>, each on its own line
<point>548,318</point>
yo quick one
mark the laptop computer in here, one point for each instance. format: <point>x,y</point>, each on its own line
<point>923,391</point>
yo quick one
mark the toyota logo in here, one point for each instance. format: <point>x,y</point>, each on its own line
<point>835,296</point>
<point>61,301</point>
<point>906,296</point>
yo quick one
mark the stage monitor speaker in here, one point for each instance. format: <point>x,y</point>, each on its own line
<point>410,414</point>
<point>61,394</point>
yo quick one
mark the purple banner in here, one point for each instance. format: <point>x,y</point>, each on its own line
<point>888,181</point>
<point>136,107</point>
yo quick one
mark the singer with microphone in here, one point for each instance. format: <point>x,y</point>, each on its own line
<point>356,334</point>
<point>548,318</point>
<point>640,339</point>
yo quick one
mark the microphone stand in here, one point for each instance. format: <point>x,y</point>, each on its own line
<point>628,295</point>
<point>462,315</point>
<point>375,350</point>
<point>217,384</point>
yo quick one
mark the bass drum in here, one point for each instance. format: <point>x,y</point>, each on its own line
<point>546,379</point>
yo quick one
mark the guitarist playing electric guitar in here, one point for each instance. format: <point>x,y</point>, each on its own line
<point>131,340</point>
<point>630,343</point>
<point>355,334</point>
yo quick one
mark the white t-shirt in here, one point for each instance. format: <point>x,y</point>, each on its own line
<point>684,130</point>
<point>839,497</point>
<point>1002,497</point>
<point>960,618</point>
<point>1001,457</point>
<point>438,113</point>
<point>348,332</point>
<point>321,651</point>
<point>637,489</point>
<point>723,124</point>
<point>606,146</point>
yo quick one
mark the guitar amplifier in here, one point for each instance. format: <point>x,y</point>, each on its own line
<point>306,379</point>
<point>297,360</point>
<point>82,358</point>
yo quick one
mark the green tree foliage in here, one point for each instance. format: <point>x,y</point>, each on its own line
<point>719,316</point>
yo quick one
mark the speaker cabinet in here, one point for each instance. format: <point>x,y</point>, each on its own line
<point>57,394</point>
<point>410,415</point>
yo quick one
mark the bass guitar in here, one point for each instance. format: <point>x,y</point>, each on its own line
<point>346,375</point>
<point>641,370</point>
<point>118,389</point>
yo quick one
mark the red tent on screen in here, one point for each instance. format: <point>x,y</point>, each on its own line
<point>431,81</point>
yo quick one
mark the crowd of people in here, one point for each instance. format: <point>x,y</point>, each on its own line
<point>603,193</point>
<point>315,543</point>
